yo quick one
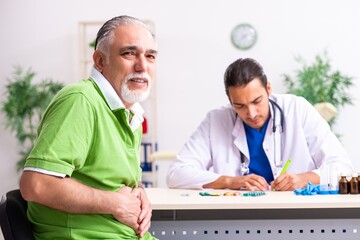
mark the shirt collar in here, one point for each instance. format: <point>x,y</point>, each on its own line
<point>113,100</point>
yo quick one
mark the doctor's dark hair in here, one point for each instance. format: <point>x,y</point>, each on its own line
<point>243,71</point>
<point>106,33</point>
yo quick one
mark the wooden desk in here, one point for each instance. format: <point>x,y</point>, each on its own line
<point>184,214</point>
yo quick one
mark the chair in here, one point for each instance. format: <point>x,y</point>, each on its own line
<point>13,219</point>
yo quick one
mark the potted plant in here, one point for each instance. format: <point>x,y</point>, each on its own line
<point>24,105</point>
<point>320,85</point>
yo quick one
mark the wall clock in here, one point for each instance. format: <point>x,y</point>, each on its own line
<point>243,36</point>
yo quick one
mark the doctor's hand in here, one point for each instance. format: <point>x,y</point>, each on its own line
<point>289,181</point>
<point>249,182</point>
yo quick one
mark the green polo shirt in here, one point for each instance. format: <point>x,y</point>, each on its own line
<point>81,137</point>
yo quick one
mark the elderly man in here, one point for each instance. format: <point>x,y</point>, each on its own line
<point>82,177</point>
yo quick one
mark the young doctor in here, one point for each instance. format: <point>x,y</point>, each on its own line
<point>247,143</point>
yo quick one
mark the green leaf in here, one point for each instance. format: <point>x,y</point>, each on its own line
<point>317,82</point>
<point>24,105</point>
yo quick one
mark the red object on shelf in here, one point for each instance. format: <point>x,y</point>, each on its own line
<point>144,126</point>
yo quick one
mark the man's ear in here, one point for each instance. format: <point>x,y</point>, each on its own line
<point>99,60</point>
<point>268,88</point>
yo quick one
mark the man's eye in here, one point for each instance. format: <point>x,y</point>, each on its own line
<point>151,56</point>
<point>258,101</point>
<point>128,53</point>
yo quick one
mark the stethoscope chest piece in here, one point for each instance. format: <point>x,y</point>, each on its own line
<point>244,167</point>
<point>244,170</point>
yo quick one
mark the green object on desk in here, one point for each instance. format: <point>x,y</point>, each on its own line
<point>254,194</point>
<point>208,194</point>
<point>287,164</point>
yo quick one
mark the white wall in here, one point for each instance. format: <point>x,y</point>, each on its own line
<point>195,48</point>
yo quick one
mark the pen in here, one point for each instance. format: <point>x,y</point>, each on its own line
<point>287,164</point>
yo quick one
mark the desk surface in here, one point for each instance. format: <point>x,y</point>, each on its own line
<point>181,199</point>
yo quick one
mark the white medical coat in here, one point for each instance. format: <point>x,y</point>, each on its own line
<point>214,148</point>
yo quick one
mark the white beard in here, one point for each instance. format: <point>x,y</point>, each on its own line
<point>131,96</point>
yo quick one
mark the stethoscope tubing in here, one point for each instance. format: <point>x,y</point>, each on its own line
<point>245,169</point>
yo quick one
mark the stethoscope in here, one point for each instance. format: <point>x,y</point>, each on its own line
<point>278,163</point>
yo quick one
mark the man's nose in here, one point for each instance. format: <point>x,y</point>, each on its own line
<point>251,111</point>
<point>140,64</point>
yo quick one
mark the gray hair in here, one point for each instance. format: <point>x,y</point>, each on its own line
<point>105,34</point>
